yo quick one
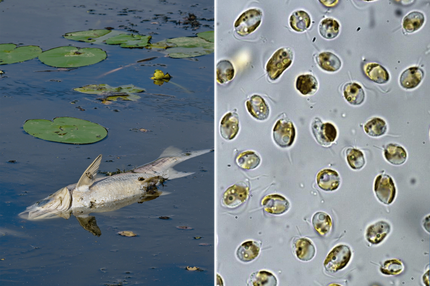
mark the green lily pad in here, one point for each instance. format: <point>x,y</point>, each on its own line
<point>190,42</point>
<point>104,88</point>
<point>65,130</point>
<point>180,52</point>
<point>10,54</point>
<point>86,36</point>
<point>72,57</point>
<point>162,45</point>
<point>208,36</point>
<point>129,41</point>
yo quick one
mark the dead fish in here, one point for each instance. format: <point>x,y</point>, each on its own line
<point>91,195</point>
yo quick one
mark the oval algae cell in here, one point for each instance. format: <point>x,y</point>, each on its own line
<point>329,28</point>
<point>338,258</point>
<point>284,132</point>
<point>376,73</point>
<point>307,84</point>
<point>328,61</point>
<point>395,154</point>
<point>426,278</point>
<point>304,249</point>
<point>248,250</point>
<point>248,160</point>
<point>262,277</point>
<point>392,267</point>
<point>248,21</point>
<point>219,280</point>
<point>325,133</point>
<point>411,77</point>
<point>329,3</point>
<point>413,22</point>
<point>257,107</point>
<point>377,232</point>
<point>353,92</point>
<point>300,21</point>
<point>224,72</point>
<point>355,158</point>
<point>235,195</point>
<point>275,204</point>
<point>328,179</point>
<point>385,188</point>
<point>229,126</point>
<point>322,223</point>
<point>280,60</point>
<point>375,127</point>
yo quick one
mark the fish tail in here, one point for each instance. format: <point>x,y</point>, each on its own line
<point>56,205</point>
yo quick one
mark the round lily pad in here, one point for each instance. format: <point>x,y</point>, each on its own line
<point>65,130</point>
<point>72,57</point>
<point>129,41</point>
<point>10,54</point>
<point>104,88</point>
<point>86,36</point>
<point>190,42</point>
<point>208,36</point>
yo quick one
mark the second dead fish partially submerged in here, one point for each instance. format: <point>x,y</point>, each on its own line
<point>91,195</point>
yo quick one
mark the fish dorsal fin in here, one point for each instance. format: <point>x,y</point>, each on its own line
<point>88,177</point>
<point>171,152</point>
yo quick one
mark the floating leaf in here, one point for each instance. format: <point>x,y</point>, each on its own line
<point>129,41</point>
<point>193,268</point>
<point>208,36</point>
<point>86,36</point>
<point>66,57</point>
<point>10,54</point>
<point>127,233</point>
<point>104,88</point>
<point>187,47</point>
<point>184,227</point>
<point>180,52</point>
<point>159,75</point>
<point>190,42</point>
<point>65,130</point>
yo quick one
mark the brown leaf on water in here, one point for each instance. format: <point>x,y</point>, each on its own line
<point>164,217</point>
<point>127,233</point>
<point>193,268</point>
<point>184,227</point>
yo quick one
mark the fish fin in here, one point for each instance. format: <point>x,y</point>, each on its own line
<point>89,223</point>
<point>88,177</point>
<point>171,152</point>
<point>56,205</point>
<point>174,174</point>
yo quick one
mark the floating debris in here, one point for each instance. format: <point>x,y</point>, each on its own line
<point>184,227</point>
<point>127,233</point>
<point>411,77</point>
<point>248,22</point>
<point>248,250</point>
<point>193,268</point>
<point>375,127</point>
<point>300,21</point>
<point>304,249</point>
<point>275,204</point>
<point>395,154</point>
<point>279,62</point>
<point>329,28</point>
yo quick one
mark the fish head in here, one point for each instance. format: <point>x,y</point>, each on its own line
<point>57,204</point>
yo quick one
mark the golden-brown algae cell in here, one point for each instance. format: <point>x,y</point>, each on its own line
<point>411,77</point>
<point>248,160</point>
<point>353,92</point>
<point>229,125</point>
<point>275,204</point>
<point>329,28</point>
<point>377,232</point>
<point>279,62</point>
<point>426,278</point>
<point>224,72</point>
<point>329,3</point>
<point>322,223</point>
<point>304,249</point>
<point>395,154</point>
<point>219,280</point>
<point>385,188</point>
<point>257,107</point>
<point>307,84</point>
<point>355,158</point>
<point>328,61</point>
<point>338,258</point>
<point>376,72</point>
<point>412,22</point>
<point>262,278</point>
<point>248,250</point>
<point>236,195</point>
<point>248,22</point>
<point>328,179</point>
<point>375,127</point>
<point>300,21</point>
<point>284,132</point>
<point>392,267</point>
<point>325,133</point>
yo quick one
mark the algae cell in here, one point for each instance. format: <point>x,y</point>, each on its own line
<point>322,223</point>
<point>304,249</point>
<point>377,232</point>
<point>307,84</point>
<point>248,250</point>
<point>229,125</point>
<point>376,72</point>
<point>236,195</point>
<point>224,72</point>
<point>275,204</point>
<point>392,267</point>
<point>248,22</point>
<point>384,188</point>
<point>257,107</point>
<point>395,154</point>
<point>328,61</point>
<point>284,132</point>
<point>375,127</point>
<point>411,77</point>
<point>279,62</point>
<point>355,158</point>
<point>300,21</point>
<point>329,28</point>
<point>353,92</point>
<point>248,160</point>
<point>328,179</point>
<point>412,22</point>
<point>325,133</point>
<point>262,278</point>
<point>338,258</point>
